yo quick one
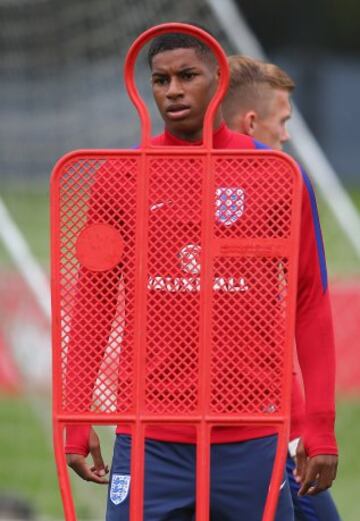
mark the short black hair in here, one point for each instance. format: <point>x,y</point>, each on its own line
<point>171,41</point>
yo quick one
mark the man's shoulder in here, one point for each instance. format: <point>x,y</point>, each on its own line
<point>158,140</point>
<point>243,141</point>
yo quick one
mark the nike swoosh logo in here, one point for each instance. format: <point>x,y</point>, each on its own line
<point>157,206</point>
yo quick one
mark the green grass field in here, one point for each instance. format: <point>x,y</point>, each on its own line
<point>347,485</point>
<point>30,211</point>
<point>28,468</point>
<point>25,446</point>
<point>27,464</point>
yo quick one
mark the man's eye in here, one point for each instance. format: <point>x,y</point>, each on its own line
<point>188,75</point>
<point>159,81</point>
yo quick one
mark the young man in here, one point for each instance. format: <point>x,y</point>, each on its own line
<point>184,79</point>
<point>258,104</point>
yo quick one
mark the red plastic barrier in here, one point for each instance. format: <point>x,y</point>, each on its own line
<point>174,280</point>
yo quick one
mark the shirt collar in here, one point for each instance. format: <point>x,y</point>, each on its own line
<point>221,137</point>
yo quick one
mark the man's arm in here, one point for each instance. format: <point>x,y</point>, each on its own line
<point>96,472</point>
<point>315,474</point>
<point>297,408</point>
<point>93,311</point>
<point>316,353</point>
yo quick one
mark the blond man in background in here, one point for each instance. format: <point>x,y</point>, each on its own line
<point>258,103</point>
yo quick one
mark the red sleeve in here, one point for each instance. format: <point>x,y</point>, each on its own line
<point>314,333</point>
<point>77,439</point>
<point>297,409</point>
<point>92,314</point>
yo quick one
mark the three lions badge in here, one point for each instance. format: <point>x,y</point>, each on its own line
<point>120,484</point>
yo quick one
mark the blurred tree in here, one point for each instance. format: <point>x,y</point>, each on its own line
<point>328,24</point>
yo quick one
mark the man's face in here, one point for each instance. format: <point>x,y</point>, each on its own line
<point>271,129</point>
<point>183,84</point>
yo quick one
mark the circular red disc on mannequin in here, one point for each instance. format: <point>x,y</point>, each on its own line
<point>99,247</point>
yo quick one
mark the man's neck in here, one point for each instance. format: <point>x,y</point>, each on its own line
<point>196,137</point>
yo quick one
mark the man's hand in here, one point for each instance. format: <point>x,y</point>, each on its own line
<point>315,474</point>
<point>97,472</point>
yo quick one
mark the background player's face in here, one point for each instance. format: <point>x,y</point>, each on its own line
<point>271,129</point>
<point>183,83</point>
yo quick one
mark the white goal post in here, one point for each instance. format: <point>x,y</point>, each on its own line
<point>20,253</point>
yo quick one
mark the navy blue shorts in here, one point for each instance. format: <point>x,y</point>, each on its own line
<point>311,508</point>
<point>240,474</point>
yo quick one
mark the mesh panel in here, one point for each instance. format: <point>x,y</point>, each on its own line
<point>248,325</point>
<point>253,201</point>
<point>97,306</point>
<point>261,197</point>
<point>173,291</point>
<point>251,225</point>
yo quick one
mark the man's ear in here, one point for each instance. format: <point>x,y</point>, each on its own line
<point>250,122</point>
<point>217,73</point>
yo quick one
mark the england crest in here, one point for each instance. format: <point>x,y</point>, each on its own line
<point>230,204</point>
<point>120,484</point>
<point>189,259</point>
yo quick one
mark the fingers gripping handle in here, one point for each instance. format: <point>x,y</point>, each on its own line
<point>129,74</point>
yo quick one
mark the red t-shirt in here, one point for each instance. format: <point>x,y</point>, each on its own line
<point>314,338</point>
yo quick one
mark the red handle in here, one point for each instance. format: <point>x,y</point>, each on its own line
<point>133,92</point>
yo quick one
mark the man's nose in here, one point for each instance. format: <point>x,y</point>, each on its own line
<point>175,88</point>
<point>285,136</point>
